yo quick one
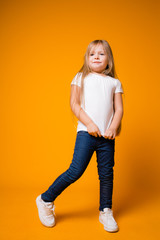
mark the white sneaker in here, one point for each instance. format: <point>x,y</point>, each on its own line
<point>46,212</point>
<point>107,219</point>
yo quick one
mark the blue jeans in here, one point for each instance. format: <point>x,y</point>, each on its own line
<point>85,146</point>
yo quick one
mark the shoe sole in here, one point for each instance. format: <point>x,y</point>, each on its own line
<point>41,219</point>
<point>107,229</point>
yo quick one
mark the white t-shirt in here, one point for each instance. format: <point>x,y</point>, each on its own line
<point>98,94</point>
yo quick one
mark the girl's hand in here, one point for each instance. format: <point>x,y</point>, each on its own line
<point>110,133</point>
<point>93,129</point>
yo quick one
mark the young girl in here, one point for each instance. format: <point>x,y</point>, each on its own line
<point>96,101</point>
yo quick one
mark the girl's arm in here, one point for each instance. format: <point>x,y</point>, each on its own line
<point>75,105</point>
<point>118,107</point>
<point>92,128</point>
<point>118,114</point>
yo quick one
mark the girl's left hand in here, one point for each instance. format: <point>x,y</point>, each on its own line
<point>110,133</point>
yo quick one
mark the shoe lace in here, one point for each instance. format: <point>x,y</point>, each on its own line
<point>109,214</point>
<point>48,211</point>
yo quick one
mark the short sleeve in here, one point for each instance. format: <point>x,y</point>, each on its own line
<point>77,79</point>
<point>118,87</point>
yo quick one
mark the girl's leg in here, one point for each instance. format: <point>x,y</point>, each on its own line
<point>84,148</point>
<point>105,163</point>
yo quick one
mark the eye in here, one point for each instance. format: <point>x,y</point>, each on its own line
<point>91,54</point>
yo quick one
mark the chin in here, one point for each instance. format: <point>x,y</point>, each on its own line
<point>97,70</point>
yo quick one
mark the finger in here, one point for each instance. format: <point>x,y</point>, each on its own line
<point>99,133</point>
<point>111,136</point>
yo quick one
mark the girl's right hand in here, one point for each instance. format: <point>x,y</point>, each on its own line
<point>93,129</point>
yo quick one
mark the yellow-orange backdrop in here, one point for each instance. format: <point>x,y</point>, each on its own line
<point>42,48</point>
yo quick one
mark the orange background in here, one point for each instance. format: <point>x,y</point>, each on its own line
<point>42,48</point>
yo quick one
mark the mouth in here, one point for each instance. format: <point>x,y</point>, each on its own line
<point>96,62</point>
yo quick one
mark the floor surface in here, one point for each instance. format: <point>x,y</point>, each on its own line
<point>76,218</point>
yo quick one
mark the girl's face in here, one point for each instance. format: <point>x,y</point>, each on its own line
<point>97,59</point>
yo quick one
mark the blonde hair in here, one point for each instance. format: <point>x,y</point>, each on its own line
<point>108,71</point>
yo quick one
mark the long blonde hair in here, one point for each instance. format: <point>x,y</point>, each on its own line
<point>109,71</point>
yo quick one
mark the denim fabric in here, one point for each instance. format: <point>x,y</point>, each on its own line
<point>85,146</point>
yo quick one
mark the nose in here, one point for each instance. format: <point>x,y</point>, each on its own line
<point>96,56</point>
